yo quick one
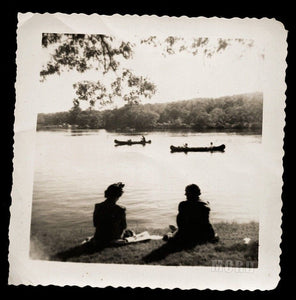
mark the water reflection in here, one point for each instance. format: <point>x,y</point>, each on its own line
<point>73,168</point>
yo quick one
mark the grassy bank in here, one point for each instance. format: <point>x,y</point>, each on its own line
<point>229,251</point>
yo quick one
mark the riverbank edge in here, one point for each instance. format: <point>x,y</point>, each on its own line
<point>230,251</point>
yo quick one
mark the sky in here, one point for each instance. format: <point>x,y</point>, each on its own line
<point>177,77</point>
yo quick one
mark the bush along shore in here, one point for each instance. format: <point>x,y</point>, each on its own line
<point>237,247</point>
<point>237,112</point>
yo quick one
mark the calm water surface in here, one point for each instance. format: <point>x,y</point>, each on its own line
<point>72,170</point>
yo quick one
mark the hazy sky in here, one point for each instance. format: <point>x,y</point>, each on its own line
<point>177,77</point>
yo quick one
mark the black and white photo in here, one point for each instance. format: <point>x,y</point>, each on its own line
<point>144,144</point>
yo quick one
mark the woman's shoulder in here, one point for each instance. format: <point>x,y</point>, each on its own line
<point>120,208</point>
<point>183,204</point>
<point>98,205</point>
<point>101,207</point>
<point>106,203</point>
<point>199,203</point>
<point>204,204</point>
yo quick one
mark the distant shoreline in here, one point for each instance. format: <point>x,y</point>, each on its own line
<point>147,130</point>
<point>235,112</point>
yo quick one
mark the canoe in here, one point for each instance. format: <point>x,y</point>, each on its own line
<point>220,148</point>
<point>117,142</point>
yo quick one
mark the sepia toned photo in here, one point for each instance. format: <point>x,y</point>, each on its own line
<point>144,144</point>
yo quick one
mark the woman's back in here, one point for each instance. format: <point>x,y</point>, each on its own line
<point>193,221</point>
<point>193,212</point>
<point>109,220</point>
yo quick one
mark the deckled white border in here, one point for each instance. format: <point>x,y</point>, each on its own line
<point>31,272</point>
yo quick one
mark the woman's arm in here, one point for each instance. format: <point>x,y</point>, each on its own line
<point>95,215</point>
<point>123,220</point>
<point>180,217</point>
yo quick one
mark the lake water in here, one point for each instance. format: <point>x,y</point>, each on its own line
<point>72,170</point>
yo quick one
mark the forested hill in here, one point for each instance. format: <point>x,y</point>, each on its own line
<point>242,111</point>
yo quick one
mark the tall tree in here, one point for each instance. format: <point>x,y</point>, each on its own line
<point>105,54</point>
<point>83,52</point>
<point>199,45</point>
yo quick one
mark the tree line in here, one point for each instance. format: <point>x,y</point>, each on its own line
<point>230,112</point>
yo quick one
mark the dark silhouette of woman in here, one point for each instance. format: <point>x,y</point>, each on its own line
<point>109,219</point>
<point>110,223</point>
<point>193,223</point>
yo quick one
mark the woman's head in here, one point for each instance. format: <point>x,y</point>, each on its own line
<point>192,191</point>
<point>114,190</point>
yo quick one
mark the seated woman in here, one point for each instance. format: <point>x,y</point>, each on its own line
<point>110,223</point>
<point>193,222</point>
<point>109,219</point>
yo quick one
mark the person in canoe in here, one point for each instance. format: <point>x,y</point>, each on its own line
<point>192,219</point>
<point>143,140</point>
<point>109,218</point>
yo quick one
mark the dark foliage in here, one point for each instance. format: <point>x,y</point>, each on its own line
<point>231,112</point>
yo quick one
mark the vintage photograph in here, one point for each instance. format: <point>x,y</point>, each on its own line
<point>159,145</point>
<point>149,148</point>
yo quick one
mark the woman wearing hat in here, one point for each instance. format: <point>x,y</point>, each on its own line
<point>193,222</point>
<point>109,219</point>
